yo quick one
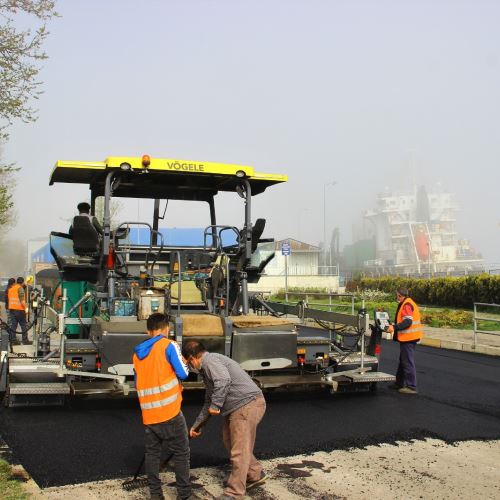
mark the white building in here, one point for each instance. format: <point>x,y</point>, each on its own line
<point>300,269</point>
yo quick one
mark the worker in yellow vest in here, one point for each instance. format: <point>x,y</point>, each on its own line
<point>407,330</point>
<point>17,311</point>
<point>158,364</point>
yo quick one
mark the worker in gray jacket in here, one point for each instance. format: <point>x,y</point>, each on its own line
<point>230,392</point>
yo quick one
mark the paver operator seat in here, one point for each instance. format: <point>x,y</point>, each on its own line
<point>86,239</point>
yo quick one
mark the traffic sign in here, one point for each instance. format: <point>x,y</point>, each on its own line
<point>285,248</point>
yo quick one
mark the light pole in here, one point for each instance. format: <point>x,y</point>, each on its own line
<point>324,216</point>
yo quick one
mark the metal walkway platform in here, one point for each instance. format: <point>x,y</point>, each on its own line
<point>39,388</point>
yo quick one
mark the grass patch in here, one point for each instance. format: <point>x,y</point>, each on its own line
<point>10,486</point>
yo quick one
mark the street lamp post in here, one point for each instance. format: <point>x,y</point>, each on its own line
<point>324,216</point>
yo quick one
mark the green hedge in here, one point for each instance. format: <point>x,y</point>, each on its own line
<point>452,292</point>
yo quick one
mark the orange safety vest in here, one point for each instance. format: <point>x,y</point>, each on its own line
<point>157,386</point>
<point>415,331</point>
<point>14,301</point>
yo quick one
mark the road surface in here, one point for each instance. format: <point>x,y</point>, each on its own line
<point>459,399</point>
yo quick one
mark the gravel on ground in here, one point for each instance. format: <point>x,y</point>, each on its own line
<point>419,469</point>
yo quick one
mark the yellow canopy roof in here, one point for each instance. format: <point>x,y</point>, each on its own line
<point>163,177</point>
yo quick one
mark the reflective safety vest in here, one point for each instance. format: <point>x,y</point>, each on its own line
<point>415,332</point>
<point>157,386</point>
<point>13,296</point>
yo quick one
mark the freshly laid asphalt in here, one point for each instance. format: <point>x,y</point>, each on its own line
<point>459,399</point>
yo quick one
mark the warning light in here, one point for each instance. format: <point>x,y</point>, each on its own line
<point>146,161</point>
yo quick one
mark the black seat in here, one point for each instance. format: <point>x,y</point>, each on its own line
<point>86,240</point>
<point>257,230</point>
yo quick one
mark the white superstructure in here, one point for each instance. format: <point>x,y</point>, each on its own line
<point>416,232</point>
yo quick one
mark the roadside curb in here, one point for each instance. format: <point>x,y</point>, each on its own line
<point>454,345</point>
<point>460,346</point>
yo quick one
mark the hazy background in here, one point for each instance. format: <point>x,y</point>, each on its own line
<point>368,94</point>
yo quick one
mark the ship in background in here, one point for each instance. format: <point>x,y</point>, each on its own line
<point>416,234</point>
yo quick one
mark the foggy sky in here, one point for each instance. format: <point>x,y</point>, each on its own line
<point>366,94</point>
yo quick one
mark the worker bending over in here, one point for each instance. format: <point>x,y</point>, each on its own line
<point>232,393</point>
<point>157,364</point>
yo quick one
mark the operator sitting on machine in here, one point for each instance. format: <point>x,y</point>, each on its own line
<point>84,209</point>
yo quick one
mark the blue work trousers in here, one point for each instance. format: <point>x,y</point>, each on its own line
<point>406,375</point>
<point>17,318</point>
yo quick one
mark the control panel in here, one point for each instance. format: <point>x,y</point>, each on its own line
<point>382,319</point>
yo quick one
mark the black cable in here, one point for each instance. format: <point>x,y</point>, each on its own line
<point>91,339</point>
<point>55,290</point>
<point>7,328</point>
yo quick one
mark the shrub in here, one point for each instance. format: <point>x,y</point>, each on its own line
<point>447,292</point>
<point>447,318</point>
<point>370,295</point>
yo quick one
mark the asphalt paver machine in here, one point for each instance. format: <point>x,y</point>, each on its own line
<point>109,284</point>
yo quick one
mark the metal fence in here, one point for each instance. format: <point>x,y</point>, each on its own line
<point>331,304</point>
<point>303,270</point>
<point>479,318</point>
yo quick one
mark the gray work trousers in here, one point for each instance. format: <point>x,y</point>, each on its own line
<point>173,436</point>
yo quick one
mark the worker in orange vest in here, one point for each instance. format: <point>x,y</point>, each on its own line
<point>17,311</point>
<point>407,330</point>
<point>158,364</point>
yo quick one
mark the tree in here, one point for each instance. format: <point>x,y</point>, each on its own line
<point>114,210</point>
<point>7,217</point>
<point>20,53</point>
<point>7,184</point>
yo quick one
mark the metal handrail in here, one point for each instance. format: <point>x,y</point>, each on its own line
<point>477,318</point>
<point>211,231</point>
<point>149,250</point>
<point>326,294</point>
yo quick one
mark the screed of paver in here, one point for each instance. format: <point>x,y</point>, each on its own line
<point>430,469</point>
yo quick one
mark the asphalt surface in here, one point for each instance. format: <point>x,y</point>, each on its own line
<point>459,399</point>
